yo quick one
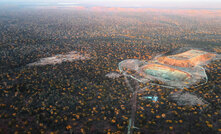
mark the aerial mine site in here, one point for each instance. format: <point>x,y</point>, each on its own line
<point>84,67</point>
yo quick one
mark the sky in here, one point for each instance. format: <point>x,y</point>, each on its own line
<point>127,3</point>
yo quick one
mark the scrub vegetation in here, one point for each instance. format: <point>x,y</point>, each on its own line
<point>90,95</point>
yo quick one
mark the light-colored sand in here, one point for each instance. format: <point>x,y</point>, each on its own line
<point>58,59</point>
<point>113,75</point>
<point>187,99</point>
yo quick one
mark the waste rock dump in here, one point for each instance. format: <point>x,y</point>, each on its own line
<point>190,58</point>
<point>175,71</point>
